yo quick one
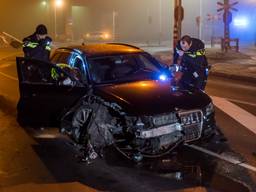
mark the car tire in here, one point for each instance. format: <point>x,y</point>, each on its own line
<point>80,121</point>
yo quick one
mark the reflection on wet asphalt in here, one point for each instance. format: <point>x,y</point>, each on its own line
<point>193,167</point>
<point>182,169</point>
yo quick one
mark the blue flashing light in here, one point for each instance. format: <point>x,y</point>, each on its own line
<point>163,77</point>
<point>241,22</point>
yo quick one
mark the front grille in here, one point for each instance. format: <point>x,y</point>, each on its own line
<point>159,120</point>
<point>192,123</point>
<point>164,119</point>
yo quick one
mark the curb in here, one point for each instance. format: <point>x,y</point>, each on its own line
<point>234,77</point>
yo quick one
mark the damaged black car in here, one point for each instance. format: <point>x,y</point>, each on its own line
<point>112,95</point>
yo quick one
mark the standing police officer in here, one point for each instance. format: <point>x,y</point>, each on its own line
<point>193,62</point>
<point>38,45</point>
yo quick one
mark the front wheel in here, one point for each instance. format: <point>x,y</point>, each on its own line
<point>80,121</point>
<point>91,124</point>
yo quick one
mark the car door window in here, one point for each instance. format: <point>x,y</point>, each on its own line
<point>55,57</point>
<point>40,72</point>
<point>64,58</point>
<point>147,63</point>
<point>76,62</point>
<point>35,71</point>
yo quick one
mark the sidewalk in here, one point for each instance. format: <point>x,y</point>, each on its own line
<point>240,66</point>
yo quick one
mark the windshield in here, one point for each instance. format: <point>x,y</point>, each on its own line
<point>122,68</point>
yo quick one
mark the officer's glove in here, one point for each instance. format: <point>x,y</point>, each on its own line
<point>196,75</point>
<point>45,42</point>
<point>180,52</point>
<point>175,68</point>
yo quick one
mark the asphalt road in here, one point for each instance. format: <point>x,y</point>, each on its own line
<point>44,160</point>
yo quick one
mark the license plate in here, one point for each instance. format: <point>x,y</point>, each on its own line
<point>192,123</point>
<point>190,118</point>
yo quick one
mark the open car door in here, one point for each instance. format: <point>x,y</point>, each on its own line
<point>43,99</point>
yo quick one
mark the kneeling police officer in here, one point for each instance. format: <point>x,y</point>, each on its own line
<point>193,62</point>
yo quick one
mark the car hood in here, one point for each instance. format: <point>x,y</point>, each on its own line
<point>151,97</point>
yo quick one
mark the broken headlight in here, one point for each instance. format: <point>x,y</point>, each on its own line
<point>139,123</point>
<point>209,109</point>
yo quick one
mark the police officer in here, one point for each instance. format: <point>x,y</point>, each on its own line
<point>38,45</point>
<point>190,53</point>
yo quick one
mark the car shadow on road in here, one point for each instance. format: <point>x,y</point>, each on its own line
<point>62,162</point>
<point>8,107</point>
<point>186,169</point>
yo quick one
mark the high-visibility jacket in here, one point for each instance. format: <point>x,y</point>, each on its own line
<point>196,53</point>
<point>56,75</point>
<point>37,49</point>
<point>194,63</point>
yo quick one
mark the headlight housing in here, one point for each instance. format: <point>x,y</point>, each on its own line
<point>209,109</point>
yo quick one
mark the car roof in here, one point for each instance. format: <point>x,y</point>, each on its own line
<point>104,49</point>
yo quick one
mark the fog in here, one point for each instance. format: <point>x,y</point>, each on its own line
<point>134,21</point>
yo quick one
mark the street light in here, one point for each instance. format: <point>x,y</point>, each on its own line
<point>44,3</point>
<point>58,4</point>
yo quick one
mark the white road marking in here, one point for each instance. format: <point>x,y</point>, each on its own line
<point>231,84</point>
<point>5,65</point>
<point>71,186</point>
<point>10,55</point>
<point>245,118</point>
<point>223,157</point>
<point>45,136</point>
<point>9,76</point>
<point>242,102</point>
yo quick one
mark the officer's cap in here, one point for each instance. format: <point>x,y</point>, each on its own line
<point>41,29</point>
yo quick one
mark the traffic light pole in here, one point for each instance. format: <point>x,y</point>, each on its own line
<point>226,26</point>
<point>178,16</point>
<point>227,19</point>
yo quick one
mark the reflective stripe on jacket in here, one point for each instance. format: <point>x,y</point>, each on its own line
<point>200,52</point>
<point>33,45</point>
<point>54,74</point>
<point>30,44</point>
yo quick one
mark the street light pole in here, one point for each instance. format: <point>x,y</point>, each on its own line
<point>160,21</point>
<point>178,17</point>
<point>55,21</point>
<point>200,19</point>
<point>58,3</point>
<point>114,14</point>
